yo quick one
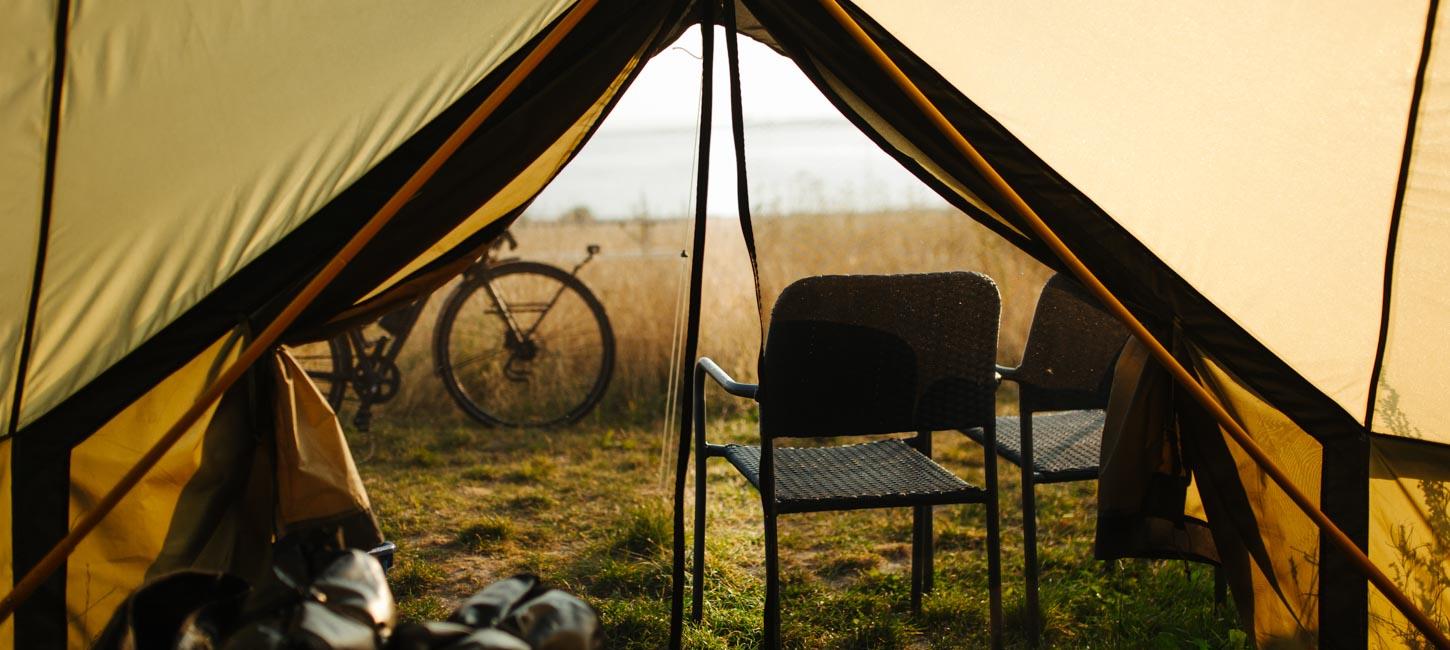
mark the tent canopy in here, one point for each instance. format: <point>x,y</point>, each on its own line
<point>1264,184</point>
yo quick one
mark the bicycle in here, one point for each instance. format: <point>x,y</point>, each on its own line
<point>517,344</point>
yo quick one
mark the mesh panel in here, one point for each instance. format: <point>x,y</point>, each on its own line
<point>1270,548</point>
<point>859,355</point>
<point>1409,535</point>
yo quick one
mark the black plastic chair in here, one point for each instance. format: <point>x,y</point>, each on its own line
<point>855,356</point>
<point>1063,381</point>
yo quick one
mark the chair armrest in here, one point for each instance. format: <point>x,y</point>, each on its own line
<point>705,367</point>
<point>1006,374</point>
<point>729,384</point>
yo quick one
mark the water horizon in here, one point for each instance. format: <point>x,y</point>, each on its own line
<point>797,166</point>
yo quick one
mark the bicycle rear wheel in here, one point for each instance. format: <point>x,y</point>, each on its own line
<point>329,364</point>
<point>551,376</point>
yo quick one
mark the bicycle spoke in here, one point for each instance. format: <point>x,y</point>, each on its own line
<point>471,360</point>
<point>525,347</point>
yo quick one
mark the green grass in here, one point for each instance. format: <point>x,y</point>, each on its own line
<point>485,534</point>
<point>588,511</point>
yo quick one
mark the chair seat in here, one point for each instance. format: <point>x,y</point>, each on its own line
<point>883,474</point>
<point>1065,444</point>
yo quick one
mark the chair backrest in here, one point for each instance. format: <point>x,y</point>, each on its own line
<point>869,354</point>
<point>1071,349</point>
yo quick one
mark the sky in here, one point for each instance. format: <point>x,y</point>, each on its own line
<point>667,91</point>
<point>802,155</point>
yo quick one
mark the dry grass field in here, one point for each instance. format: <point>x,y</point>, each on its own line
<point>587,507</point>
<point>640,278</point>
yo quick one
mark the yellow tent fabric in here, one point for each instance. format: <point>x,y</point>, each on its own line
<point>1409,532</point>
<point>116,558</point>
<point>1265,178</point>
<point>1241,121</point>
<point>28,60</point>
<point>1269,179</point>
<point>264,112</point>
<point>204,157</point>
<point>317,479</point>
<point>1413,384</point>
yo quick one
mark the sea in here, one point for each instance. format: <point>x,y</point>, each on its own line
<point>792,167</point>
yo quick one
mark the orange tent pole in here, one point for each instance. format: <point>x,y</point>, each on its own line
<point>1181,374</point>
<point>274,330</point>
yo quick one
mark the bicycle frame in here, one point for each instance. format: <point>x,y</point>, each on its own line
<point>507,314</point>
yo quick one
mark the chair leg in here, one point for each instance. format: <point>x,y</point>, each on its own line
<point>772,585</point>
<point>1220,587</point>
<point>697,611</point>
<point>918,557</point>
<point>698,419</point>
<point>994,573</point>
<point>922,535</point>
<point>1029,525</point>
<point>994,541</point>
<point>1029,557</point>
<point>928,545</point>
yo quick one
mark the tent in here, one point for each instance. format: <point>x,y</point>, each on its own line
<point>1262,184</point>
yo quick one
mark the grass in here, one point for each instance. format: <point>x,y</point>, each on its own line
<point>597,524</point>
<point>588,508</point>
<point>483,535</point>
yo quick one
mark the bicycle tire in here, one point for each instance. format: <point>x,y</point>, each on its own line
<point>330,370</point>
<point>477,394</point>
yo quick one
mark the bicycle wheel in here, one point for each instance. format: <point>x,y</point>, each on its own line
<point>552,375</point>
<point>329,364</point>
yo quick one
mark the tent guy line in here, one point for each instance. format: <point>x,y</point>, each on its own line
<point>270,336</point>
<point>1179,373</point>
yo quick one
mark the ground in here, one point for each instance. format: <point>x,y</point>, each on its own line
<point>588,510</point>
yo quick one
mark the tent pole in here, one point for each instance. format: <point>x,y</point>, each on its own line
<point>269,336</point>
<point>1180,374</point>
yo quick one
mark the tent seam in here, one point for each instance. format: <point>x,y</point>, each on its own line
<point>1401,186</point>
<point>47,202</point>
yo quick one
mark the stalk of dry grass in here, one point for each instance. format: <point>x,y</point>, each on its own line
<point>639,274</point>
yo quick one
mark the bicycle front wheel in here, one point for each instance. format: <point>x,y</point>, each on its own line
<point>524,344</point>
